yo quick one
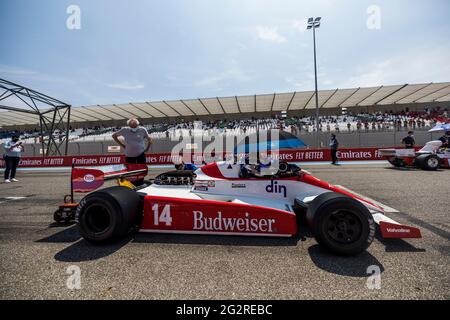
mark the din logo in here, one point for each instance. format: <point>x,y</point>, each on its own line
<point>274,187</point>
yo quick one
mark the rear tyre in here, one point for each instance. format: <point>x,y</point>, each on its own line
<point>109,214</point>
<point>341,224</point>
<point>397,162</point>
<point>427,162</point>
<point>57,216</point>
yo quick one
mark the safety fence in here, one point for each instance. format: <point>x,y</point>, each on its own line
<point>290,155</point>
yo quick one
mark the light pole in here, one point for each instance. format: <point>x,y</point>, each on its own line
<point>314,23</point>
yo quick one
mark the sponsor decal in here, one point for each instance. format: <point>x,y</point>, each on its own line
<point>391,230</point>
<point>89,178</point>
<point>244,224</point>
<point>211,183</point>
<point>203,185</point>
<point>114,149</point>
<point>291,155</point>
<point>274,187</point>
<point>401,230</point>
<point>354,154</point>
<point>238,185</point>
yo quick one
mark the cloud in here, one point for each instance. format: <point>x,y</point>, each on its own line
<point>15,71</point>
<point>126,86</point>
<point>413,66</point>
<point>300,25</point>
<point>19,75</point>
<point>304,81</point>
<point>269,34</point>
<point>232,74</point>
<point>208,81</point>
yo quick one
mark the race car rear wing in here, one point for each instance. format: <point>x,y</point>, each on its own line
<point>88,179</point>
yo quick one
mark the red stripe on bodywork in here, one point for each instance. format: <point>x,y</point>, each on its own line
<point>213,171</point>
<point>309,179</point>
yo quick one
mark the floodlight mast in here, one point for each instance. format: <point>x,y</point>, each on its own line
<point>314,23</point>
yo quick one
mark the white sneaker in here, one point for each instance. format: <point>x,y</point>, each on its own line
<point>14,179</point>
<point>7,181</point>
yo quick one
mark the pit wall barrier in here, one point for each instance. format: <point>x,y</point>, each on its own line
<point>291,155</point>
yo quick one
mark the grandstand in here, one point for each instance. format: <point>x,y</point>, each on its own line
<point>331,102</point>
<point>362,110</point>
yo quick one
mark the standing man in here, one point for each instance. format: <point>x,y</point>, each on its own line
<point>445,140</point>
<point>134,137</point>
<point>334,144</point>
<point>13,149</point>
<point>409,141</point>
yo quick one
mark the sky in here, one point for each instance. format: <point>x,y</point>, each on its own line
<point>143,50</point>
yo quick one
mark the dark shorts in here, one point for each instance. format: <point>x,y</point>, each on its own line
<point>139,159</point>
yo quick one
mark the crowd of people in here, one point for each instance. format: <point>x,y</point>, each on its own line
<point>136,140</point>
<point>297,125</point>
<point>379,121</point>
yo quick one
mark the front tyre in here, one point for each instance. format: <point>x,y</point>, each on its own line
<point>341,224</point>
<point>428,162</point>
<point>108,214</point>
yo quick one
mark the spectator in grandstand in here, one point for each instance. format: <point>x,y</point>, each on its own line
<point>334,144</point>
<point>336,127</point>
<point>134,137</point>
<point>409,141</point>
<point>13,150</point>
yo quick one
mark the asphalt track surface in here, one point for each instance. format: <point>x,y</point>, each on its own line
<point>35,252</point>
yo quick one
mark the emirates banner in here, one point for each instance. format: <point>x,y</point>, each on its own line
<point>291,155</point>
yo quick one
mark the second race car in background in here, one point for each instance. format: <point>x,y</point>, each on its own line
<point>430,157</point>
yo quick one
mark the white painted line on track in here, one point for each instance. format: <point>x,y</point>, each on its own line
<point>386,208</point>
<point>7,199</point>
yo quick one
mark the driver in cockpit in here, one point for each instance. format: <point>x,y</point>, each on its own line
<point>445,139</point>
<point>265,166</point>
<point>185,166</point>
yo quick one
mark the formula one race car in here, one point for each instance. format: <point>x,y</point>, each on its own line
<point>216,200</point>
<point>430,157</point>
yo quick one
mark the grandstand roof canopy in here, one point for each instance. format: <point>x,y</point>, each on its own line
<point>354,97</point>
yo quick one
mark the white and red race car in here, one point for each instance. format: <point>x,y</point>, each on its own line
<point>217,200</point>
<point>430,157</point>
